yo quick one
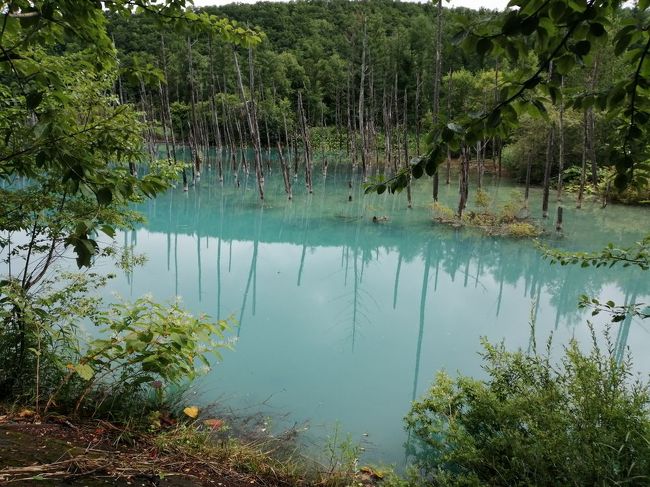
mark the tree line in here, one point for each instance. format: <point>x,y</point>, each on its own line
<point>369,80</point>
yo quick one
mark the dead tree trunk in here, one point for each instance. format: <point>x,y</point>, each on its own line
<point>464,180</point>
<point>583,172</point>
<point>251,117</point>
<point>215,116</point>
<point>418,85</point>
<point>306,144</point>
<point>362,125</point>
<point>560,162</point>
<point>436,88</point>
<point>285,173</point>
<point>547,170</point>
<point>528,169</point>
<point>194,125</point>
<point>591,125</point>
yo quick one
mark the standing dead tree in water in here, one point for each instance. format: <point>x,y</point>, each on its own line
<point>304,131</point>
<point>194,126</point>
<point>464,180</point>
<point>449,77</point>
<point>560,162</point>
<point>547,169</point>
<point>549,159</point>
<point>362,121</point>
<point>588,147</point>
<point>251,117</point>
<point>436,88</point>
<point>214,112</point>
<point>285,173</point>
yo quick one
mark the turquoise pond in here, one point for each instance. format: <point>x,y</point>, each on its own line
<point>342,321</point>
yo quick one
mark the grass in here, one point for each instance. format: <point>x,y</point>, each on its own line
<point>201,451</point>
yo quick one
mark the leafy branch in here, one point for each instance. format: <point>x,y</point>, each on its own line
<point>636,255</point>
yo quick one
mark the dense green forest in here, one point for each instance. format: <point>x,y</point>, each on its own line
<point>371,80</point>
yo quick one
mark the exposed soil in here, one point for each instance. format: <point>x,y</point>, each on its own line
<point>60,453</point>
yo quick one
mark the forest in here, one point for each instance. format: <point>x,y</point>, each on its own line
<point>324,242</point>
<point>369,80</point>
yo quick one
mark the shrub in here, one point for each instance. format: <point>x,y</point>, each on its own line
<point>513,206</point>
<point>142,348</point>
<point>483,199</point>
<point>521,230</point>
<point>443,213</point>
<point>582,421</point>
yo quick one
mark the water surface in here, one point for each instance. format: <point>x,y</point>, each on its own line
<point>345,321</point>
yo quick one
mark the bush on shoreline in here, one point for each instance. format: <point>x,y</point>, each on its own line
<point>583,420</point>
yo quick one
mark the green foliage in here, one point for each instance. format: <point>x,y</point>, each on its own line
<point>68,150</point>
<point>581,421</point>
<point>635,255</point>
<point>59,126</point>
<point>529,141</point>
<point>144,343</point>
<point>617,313</point>
<point>482,199</point>
<point>512,207</point>
<point>563,34</point>
<point>138,348</point>
<point>342,456</point>
<point>522,230</point>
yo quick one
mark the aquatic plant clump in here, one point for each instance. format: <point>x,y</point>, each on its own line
<point>503,224</point>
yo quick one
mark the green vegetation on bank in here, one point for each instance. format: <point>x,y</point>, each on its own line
<point>581,420</point>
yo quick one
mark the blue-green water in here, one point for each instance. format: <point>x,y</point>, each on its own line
<point>342,320</point>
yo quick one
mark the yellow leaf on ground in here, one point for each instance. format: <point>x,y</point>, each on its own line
<point>191,411</point>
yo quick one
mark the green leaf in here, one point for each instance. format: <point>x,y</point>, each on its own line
<point>108,230</point>
<point>483,46</point>
<point>84,371</point>
<point>529,25</point>
<point>556,11</point>
<point>622,44</point>
<point>565,63</point>
<point>581,48</point>
<point>596,29</point>
<point>33,99</point>
<point>511,25</point>
<point>104,196</point>
<point>494,119</point>
<point>417,170</point>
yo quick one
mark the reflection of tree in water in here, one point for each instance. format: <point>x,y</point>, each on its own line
<point>348,227</point>
<point>423,301</point>
<point>354,307</point>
